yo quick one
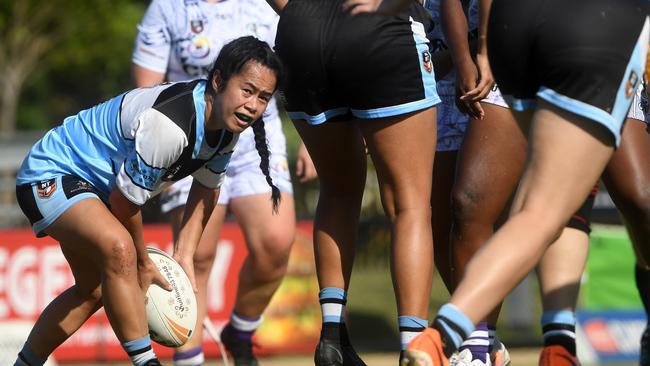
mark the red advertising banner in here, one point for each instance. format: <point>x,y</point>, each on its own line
<point>33,271</point>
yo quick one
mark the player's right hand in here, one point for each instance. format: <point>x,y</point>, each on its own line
<point>149,274</point>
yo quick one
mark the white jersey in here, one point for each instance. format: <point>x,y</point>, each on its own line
<point>182,38</point>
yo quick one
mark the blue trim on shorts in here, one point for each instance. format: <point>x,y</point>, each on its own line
<point>634,67</point>
<point>397,109</point>
<point>583,109</point>
<point>519,105</point>
<point>422,45</point>
<point>319,118</point>
<point>53,207</point>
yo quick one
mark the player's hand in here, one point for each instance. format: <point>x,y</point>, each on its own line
<point>149,274</point>
<point>467,77</point>
<point>485,81</point>
<point>187,263</point>
<point>305,169</point>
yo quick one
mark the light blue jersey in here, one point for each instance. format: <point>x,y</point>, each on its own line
<point>140,142</point>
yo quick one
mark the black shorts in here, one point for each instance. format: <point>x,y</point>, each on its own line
<point>584,56</point>
<point>45,201</point>
<point>366,66</point>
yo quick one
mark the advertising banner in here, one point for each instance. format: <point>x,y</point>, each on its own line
<point>34,271</point>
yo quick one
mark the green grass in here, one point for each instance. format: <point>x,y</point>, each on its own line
<point>372,314</point>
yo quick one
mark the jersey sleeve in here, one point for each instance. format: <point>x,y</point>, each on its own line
<point>153,41</point>
<point>211,175</point>
<point>159,142</point>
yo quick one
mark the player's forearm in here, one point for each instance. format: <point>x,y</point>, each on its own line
<point>143,77</point>
<point>199,206</point>
<point>454,26</point>
<point>484,14</point>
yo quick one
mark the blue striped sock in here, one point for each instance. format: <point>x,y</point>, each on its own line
<point>456,325</point>
<point>409,328</point>
<point>332,303</point>
<point>139,350</point>
<point>559,327</point>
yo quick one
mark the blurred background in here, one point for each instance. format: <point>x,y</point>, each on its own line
<point>60,56</point>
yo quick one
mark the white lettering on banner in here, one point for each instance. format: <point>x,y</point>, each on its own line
<point>21,286</point>
<point>54,274</point>
<point>30,277</point>
<point>217,289</point>
<point>4,308</point>
<point>627,334</point>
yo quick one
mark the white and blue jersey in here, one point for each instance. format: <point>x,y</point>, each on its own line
<point>138,142</point>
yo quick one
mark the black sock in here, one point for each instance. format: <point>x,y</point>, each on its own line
<point>336,332</point>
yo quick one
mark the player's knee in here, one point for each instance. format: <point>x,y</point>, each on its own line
<point>203,261</point>
<point>273,253</point>
<point>465,204</point>
<point>119,257</point>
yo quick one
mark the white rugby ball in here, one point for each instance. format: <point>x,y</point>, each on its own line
<point>171,315</point>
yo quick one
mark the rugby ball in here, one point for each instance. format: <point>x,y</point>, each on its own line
<point>171,315</point>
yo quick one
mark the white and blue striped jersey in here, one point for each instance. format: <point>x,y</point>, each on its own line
<point>182,38</point>
<point>140,142</point>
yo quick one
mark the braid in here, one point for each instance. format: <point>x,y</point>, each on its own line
<point>263,150</point>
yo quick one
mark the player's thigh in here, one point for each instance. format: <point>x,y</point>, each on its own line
<point>567,154</point>
<point>338,152</point>
<point>403,149</point>
<point>491,163</point>
<point>89,230</point>
<point>264,230</point>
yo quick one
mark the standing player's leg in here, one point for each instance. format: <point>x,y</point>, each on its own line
<point>559,273</point>
<point>338,152</point>
<point>567,152</point>
<point>626,178</point>
<point>268,237</point>
<point>403,153</point>
<point>491,162</point>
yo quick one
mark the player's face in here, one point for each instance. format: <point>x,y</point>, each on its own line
<point>246,96</point>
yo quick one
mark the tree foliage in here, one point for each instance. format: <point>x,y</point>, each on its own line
<point>60,56</point>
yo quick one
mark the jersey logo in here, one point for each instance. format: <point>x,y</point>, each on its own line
<point>46,188</point>
<point>196,25</point>
<point>631,84</point>
<point>426,61</point>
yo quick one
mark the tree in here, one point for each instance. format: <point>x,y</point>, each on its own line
<point>63,55</point>
<point>28,29</point>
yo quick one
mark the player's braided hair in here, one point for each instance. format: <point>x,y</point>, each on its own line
<point>263,150</point>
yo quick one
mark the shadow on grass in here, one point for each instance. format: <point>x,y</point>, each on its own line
<point>372,333</point>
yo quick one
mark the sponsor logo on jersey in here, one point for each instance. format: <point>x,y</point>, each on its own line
<point>631,84</point>
<point>46,188</point>
<point>426,61</point>
<point>197,25</point>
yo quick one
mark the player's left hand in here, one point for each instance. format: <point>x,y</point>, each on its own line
<point>305,169</point>
<point>485,81</point>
